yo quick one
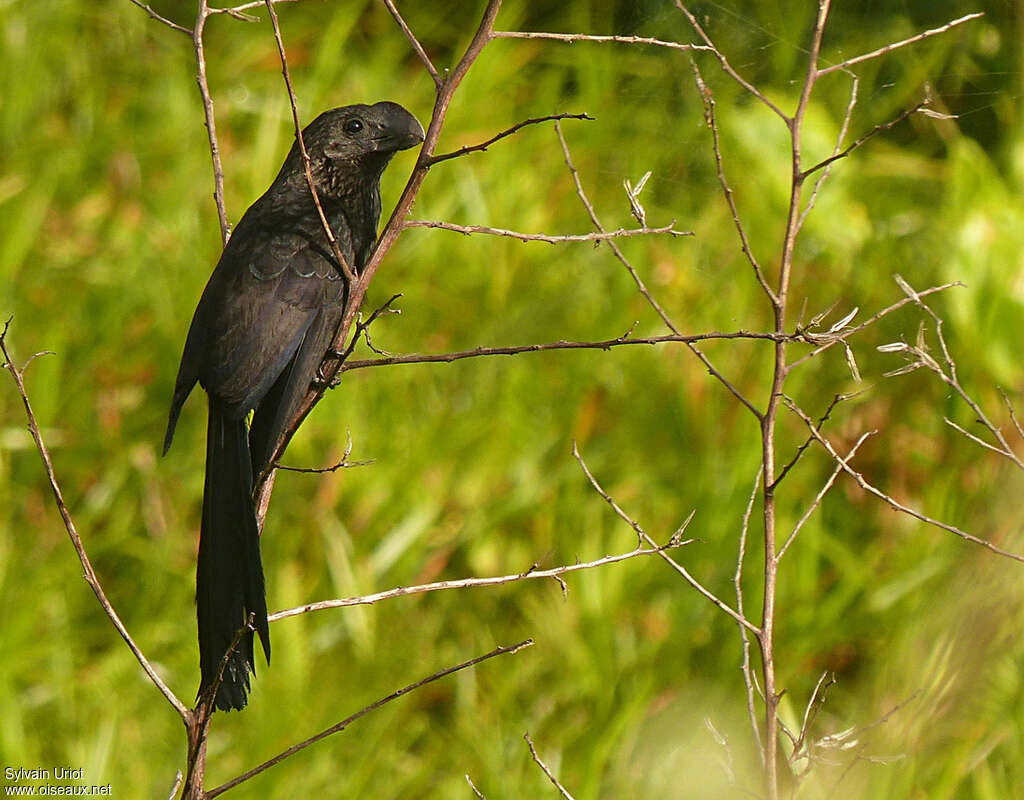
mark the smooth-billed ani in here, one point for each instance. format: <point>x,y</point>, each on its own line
<point>265,321</point>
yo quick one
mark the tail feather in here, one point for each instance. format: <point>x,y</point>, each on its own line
<point>229,578</point>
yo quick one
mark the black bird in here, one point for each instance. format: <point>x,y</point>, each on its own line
<point>266,319</point>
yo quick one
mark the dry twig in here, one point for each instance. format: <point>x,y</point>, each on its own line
<point>868,487</point>
<point>295,748</point>
<point>551,776</point>
<point>533,573</point>
<point>18,375</point>
<point>643,536</point>
<point>477,148</point>
<point>600,236</point>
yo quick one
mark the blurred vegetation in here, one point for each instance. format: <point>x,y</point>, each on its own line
<point>107,235</point>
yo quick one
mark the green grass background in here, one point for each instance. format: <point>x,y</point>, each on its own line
<point>108,233</point>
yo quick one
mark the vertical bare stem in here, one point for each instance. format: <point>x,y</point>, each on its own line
<point>748,673</point>
<point>780,302</point>
<point>211,126</point>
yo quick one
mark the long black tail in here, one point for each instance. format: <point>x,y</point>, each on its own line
<point>229,578</point>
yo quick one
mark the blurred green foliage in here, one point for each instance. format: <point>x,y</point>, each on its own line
<point>107,235</point>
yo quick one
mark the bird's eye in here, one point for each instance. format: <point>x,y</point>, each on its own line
<point>353,126</point>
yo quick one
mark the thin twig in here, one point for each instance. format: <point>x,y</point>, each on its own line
<point>807,442</point>
<point>606,344</point>
<point>295,748</point>
<point>592,213</point>
<point>641,286</point>
<point>814,705</point>
<point>235,11</point>
<point>601,236</point>
<point>643,536</point>
<point>748,674</point>
<point>708,100</point>
<point>363,328</point>
<point>979,441</point>
<point>472,786</point>
<point>839,740</point>
<point>1013,414</point>
<point>871,133</point>
<point>343,464</point>
<point>843,130</point>
<point>950,378</point>
<point>211,126</point>
<point>172,25</point>
<point>569,38</point>
<point>868,323</point>
<point>76,540</point>
<point>346,268</point>
<point>177,785</point>
<point>547,771</point>
<point>821,493</point>
<point>727,67</point>
<point>476,148</point>
<point>421,53</point>
<point>863,483</point>
<point>881,51</point>
<point>464,583</point>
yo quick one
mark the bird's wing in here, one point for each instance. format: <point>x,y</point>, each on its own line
<point>254,313</point>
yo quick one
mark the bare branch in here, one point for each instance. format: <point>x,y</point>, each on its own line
<point>748,674</point>
<point>172,25</point>
<point>548,772</point>
<point>346,268</point>
<point>177,785</point>
<point>76,540</point>
<point>821,493</point>
<point>1013,414</point>
<point>843,130</point>
<point>875,130</point>
<point>472,786</point>
<point>569,38</point>
<point>507,132</point>
<point>881,51</point>
<point>814,705</point>
<point>606,344</point>
<point>840,337</point>
<point>708,100</point>
<point>644,537</point>
<point>238,11</point>
<point>421,54</point>
<point>464,583</point>
<point>727,67</point>
<point>639,281</point>
<point>343,464</point>
<point>581,193</point>
<point>295,748</point>
<point>863,483</point>
<point>807,442</point>
<point>211,125</point>
<point>600,236</point>
<point>949,375</point>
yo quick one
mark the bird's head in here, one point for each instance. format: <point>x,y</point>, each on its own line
<point>364,136</point>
